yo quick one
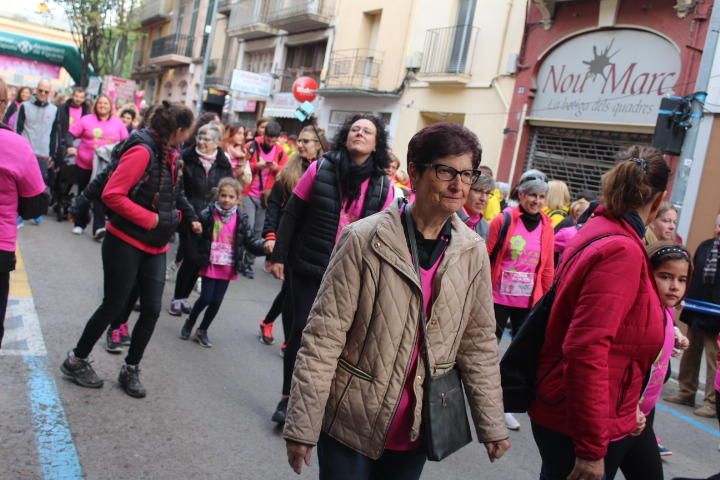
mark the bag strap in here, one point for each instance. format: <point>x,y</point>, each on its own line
<point>416,264</point>
<point>503,235</point>
<point>582,247</point>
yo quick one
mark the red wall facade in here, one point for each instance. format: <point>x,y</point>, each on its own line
<point>581,16</point>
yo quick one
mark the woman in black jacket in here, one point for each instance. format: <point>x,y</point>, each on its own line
<point>309,150</point>
<point>343,186</point>
<point>702,328</point>
<point>205,164</point>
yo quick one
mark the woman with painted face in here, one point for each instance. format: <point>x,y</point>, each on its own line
<point>520,243</point>
<point>205,164</point>
<point>362,372</point>
<point>94,130</point>
<point>146,195</point>
<point>343,186</point>
<point>309,150</point>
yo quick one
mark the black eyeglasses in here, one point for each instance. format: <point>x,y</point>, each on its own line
<point>40,90</point>
<point>305,141</point>
<point>448,174</point>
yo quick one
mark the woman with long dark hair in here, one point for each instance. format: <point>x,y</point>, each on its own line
<point>10,115</point>
<point>343,186</point>
<point>145,193</point>
<point>309,150</point>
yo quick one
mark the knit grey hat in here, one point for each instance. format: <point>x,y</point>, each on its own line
<point>533,181</point>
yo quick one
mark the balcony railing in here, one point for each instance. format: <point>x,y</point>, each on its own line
<point>289,75</point>
<point>217,75</point>
<point>300,15</point>
<point>449,51</point>
<point>153,11</point>
<point>248,19</point>
<point>172,45</point>
<point>354,68</point>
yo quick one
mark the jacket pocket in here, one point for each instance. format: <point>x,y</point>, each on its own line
<point>355,371</point>
<point>625,385</point>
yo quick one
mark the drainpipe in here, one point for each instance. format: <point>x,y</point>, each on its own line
<point>208,51</point>
<point>692,157</point>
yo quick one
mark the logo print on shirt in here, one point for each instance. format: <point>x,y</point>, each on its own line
<point>97,133</point>
<point>517,247</point>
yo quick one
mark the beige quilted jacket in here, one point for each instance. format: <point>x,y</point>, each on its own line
<point>357,345</point>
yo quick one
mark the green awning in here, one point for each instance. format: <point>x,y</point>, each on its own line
<point>66,56</point>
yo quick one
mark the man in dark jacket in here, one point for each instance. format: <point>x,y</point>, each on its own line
<point>68,113</point>
<point>702,328</point>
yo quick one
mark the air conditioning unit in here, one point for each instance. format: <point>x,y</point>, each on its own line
<point>414,61</point>
<point>511,68</point>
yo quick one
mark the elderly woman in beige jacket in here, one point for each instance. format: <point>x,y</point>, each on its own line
<point>358,383</point>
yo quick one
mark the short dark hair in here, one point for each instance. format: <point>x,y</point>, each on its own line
<point>442,140</point>
<point>18,96</point>
<point>273,129</point>
<point>380,156</point>
<point>78,89</point>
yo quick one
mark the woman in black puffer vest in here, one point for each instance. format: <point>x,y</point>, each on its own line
<point>343,186</point>
<point>145,193</point>
<point>205,163</point>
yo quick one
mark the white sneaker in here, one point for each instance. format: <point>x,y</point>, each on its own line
<point>198,285</point>
<point>511,423</point>
<point>77,231</point>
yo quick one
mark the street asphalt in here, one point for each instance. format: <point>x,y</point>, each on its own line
<point>207,413</point>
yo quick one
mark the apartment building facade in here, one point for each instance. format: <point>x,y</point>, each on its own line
<point>418,62</point>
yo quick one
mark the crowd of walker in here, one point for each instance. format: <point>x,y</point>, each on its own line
<point>396,284</point>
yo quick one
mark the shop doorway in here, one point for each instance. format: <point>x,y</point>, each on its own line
<point>578,157</point>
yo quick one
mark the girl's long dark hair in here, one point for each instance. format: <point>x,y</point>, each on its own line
<point>166,119</point>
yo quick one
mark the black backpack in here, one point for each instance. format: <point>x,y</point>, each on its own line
<point>518,367</point>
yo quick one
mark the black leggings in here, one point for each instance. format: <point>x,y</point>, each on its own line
<point>637,456</point>
<point>187,275</point>
<point>338,462</point>
<point>503,313</point>
<point>4,292</point>
<point>82,177</point>
<point>303,291</point>
<point>213,292</point>
<point>124,315</point>
<point>124,266</point>
<point>278,308</point>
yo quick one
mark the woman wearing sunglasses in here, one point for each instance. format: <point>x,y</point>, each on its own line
<point>521,247</point>
<point>205,163</point>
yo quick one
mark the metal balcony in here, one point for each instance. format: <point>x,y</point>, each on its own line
<point>248,20</point>
<point>354,69</point>
<point>172,50</point>
<point>217,75</point>
<point>152,12</point>
<point>296,16</point>
<point>448,54</point>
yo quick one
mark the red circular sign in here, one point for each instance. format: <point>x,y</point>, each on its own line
<point>304,89</point>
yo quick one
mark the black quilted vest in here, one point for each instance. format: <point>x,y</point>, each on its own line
<point>316,237</point>
<point>157,192</point>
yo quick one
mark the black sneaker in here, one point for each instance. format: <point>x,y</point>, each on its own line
<point>112,342</point>
<point>202,338</point>
<point>129,379</point>
<point>81,372</point>
<point>186,330</point>
<point>280,412</point>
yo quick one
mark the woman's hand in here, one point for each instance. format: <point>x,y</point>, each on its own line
<point>71,151</point>
<point>196,227</point>
<point>261,163</point>
<point>298,454</point>
<point>681,341</point>
<point>157,221</point>
<point>274,167</point>
<point>496,450</point>
<point>641,421</point>
<point>588,470</point>
<point>269,246</point>
<point>278,271</point>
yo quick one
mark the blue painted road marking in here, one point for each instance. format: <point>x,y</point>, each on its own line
<point>56,450</point>
<point>712,431</point>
